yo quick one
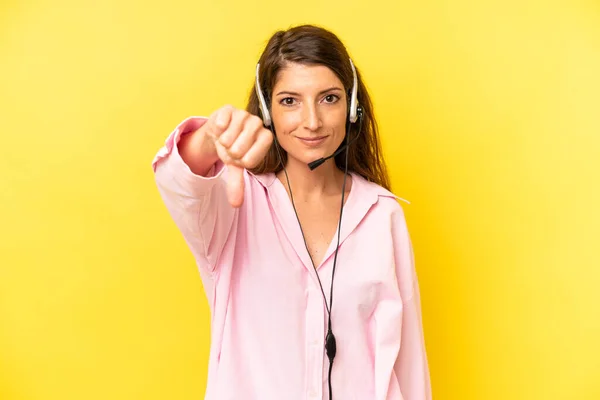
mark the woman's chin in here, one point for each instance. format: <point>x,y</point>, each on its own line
<point>308,157</point>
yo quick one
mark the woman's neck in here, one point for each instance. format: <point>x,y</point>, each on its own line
<point>326,180</point>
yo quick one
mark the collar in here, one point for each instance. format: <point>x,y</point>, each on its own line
<point>363,196</point>
<point>369,191</point>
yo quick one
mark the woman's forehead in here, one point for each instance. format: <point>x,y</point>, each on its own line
<point>302,77</point>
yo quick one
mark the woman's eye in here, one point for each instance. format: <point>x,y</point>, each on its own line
<point>331,98</point>
<point>288,101</point>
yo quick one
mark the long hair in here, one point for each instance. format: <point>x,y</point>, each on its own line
<point>313,45</point>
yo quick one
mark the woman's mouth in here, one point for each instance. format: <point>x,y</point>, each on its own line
<point>312,141</point>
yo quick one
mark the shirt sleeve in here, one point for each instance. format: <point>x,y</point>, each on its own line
<point>401,370</point>
<point>197,204</point>
<point>411,367</point>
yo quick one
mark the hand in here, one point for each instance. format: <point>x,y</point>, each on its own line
<point>241,142</point>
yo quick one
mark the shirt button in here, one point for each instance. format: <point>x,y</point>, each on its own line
<point>312,393</point>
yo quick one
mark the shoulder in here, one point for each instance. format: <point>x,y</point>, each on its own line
<point>382,209</point>
<point>382,199</point>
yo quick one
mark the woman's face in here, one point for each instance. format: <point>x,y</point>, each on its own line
<point>309,110</point>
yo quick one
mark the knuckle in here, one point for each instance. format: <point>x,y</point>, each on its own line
<point>220,124</point>
<point>235,152</point>
<point>255,120</point>
<point>221,118</point>
<point>260,124</point>
<point>252,127</point>
<point>239,113</point>
<point>267,137</point>
<point>249,161</point>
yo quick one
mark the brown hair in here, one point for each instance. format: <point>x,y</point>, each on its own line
<point>312,45</point>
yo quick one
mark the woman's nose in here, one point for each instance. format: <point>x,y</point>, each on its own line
<point>312,119</point>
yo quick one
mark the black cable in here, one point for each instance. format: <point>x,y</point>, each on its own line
<point>330,342</point>
<point>299,224</point>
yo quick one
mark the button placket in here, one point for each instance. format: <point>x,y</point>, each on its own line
<point>314,332</point>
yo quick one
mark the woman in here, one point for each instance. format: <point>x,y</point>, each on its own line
<point>307,301</point>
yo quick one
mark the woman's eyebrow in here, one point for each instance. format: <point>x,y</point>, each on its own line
<point>331,89</point>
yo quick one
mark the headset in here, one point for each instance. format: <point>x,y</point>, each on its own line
<point>355,113</point>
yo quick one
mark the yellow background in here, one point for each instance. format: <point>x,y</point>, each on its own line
<point>490,116</point>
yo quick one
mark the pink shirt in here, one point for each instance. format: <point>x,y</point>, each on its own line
<point>268,315</point>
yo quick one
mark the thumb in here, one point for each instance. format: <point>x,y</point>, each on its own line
<point>235,185</point>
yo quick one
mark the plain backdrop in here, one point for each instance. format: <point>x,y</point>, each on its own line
<point>490,118</point>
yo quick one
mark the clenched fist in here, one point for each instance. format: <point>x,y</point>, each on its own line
<point>241,141</point>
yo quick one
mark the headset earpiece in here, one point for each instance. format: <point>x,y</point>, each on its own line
<point>262,104</point>
<point>353,114</point>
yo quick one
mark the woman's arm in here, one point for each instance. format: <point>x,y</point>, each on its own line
<point>411,367</point>
<point>190,180</point>
<point>400,345</point>
<point>200,174</point>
